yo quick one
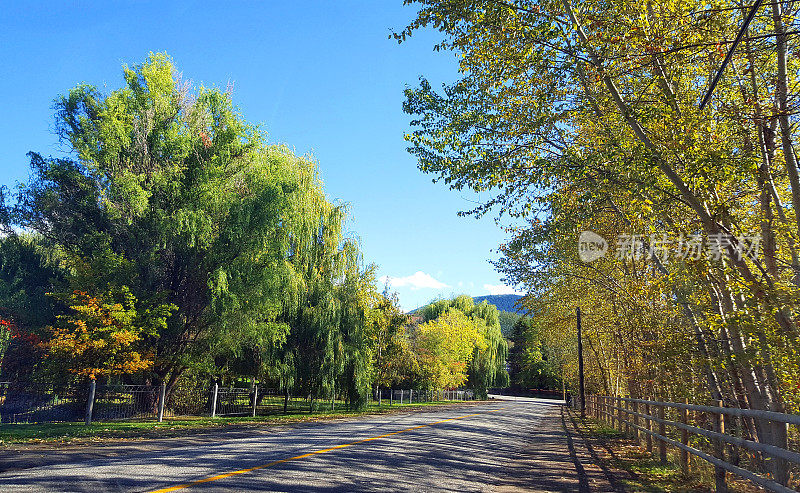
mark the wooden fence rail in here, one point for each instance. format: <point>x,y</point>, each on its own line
<point>646,419</point>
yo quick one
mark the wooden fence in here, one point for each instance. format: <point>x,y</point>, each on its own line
<point>709,433</point>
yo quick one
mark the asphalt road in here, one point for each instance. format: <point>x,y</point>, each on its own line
<point>517,445</point>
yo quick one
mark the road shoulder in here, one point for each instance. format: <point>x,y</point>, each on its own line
<point>559,458</point>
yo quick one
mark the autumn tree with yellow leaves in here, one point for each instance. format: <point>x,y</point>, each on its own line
<point>575,116</point>
<point>102,335</point>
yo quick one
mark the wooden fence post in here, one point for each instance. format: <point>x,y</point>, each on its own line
<point>602,409</point>
<point>719,451</point>
<point>627,417</point>
<point>780,467</point>
<point>214,400</point>
<point>619,413</point>
<point>648,424</point>
<point>161,398</point>
<point>600,404</point>
<point>662,430</point>
<point>638,432</point>
<point>685,439</point>
<point>255,399</point>
<point>90,401</point>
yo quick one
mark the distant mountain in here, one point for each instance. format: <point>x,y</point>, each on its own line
<point>503,302</point>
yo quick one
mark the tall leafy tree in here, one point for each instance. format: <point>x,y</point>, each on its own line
<point>28,272</point>
<point>393,358</point>
<point>487,365</point>
<point>170,194</point>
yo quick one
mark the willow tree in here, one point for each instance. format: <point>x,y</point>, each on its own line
<point>313,339</point>
<point>169,193</point>
<point>393,358</point>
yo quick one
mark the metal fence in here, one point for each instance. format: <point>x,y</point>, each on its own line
<point>113,402</point>
<point>410,396</point>
<point>31,403</point>
<point>720,436</point>
<point>28,403</point>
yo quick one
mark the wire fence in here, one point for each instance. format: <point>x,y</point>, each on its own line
<point>33,403</point>
<point>27,402</point>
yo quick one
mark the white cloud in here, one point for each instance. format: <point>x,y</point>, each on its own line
<point>500,289</point>
<point>418,280</point>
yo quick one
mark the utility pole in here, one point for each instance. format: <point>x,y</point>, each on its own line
<point>581,388</point>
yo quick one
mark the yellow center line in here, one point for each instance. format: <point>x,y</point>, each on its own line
<point>309,454</point>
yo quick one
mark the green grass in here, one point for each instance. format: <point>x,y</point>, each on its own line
<point>175,427</point>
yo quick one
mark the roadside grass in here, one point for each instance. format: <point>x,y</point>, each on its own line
<point>645,473</point>
<point>77,432</point>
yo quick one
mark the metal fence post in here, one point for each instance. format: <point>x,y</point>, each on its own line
<point>685,439</point>
<point>719,451</point>
<point>391,397</point>
<point>161,398</point>
<point>90,401</point>
<point>662,430</point>
<point>380,396</point>
<point>214,400</point>
<point>255,399</point>
<point>411,396</point>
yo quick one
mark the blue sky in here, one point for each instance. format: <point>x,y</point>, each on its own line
<point>320,76</point>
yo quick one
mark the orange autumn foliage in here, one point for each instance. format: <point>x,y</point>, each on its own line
<point>99,338</point>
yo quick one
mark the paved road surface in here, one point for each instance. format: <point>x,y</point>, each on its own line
<point>504,446</point>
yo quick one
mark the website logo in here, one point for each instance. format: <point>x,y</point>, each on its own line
<point>591,246</point>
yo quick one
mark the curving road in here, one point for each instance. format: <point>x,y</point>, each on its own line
<point>505,446</point>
